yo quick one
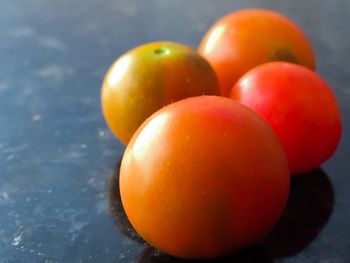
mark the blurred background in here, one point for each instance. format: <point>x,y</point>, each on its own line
<point>57,156</point>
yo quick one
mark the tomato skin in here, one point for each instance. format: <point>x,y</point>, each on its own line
<point>300,107</point>
<point>149,77</point>
<point>203,177</point>
<point>246,38</point>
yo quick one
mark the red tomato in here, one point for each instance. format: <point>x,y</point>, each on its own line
<point>149,77</point>
<point>203,177</point>
<point>246,38</point>
<point>299,106</point>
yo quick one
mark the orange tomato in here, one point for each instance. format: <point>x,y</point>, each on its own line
<point>203,177</point>
<point>149,77</point>
<point>300,107</point>
<point>247,38</point>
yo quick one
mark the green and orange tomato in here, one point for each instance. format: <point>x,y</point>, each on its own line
<point>149,77</point>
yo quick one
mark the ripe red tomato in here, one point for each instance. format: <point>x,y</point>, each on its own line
<point>299,106</point>
<point>247,38</point>
<point>203,177</point>
<point>149,77</point>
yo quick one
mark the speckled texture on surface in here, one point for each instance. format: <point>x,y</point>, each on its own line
<point>57,155</point>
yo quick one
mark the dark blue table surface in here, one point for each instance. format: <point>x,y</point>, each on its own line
<point>58,160</point>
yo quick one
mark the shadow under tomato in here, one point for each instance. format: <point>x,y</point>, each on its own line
<point>308,209</point>
<point>116,207</point>
<point>254,254</point>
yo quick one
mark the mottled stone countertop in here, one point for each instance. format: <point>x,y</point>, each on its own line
<point>58,160</point>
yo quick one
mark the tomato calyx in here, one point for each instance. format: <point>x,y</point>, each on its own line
<point>284,55</point>
<point>161,51</point>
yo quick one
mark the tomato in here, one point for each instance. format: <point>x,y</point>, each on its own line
<point>299,106</point>
<point>149,77</point>
<point>203,177</point>
<point>247,38</point>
